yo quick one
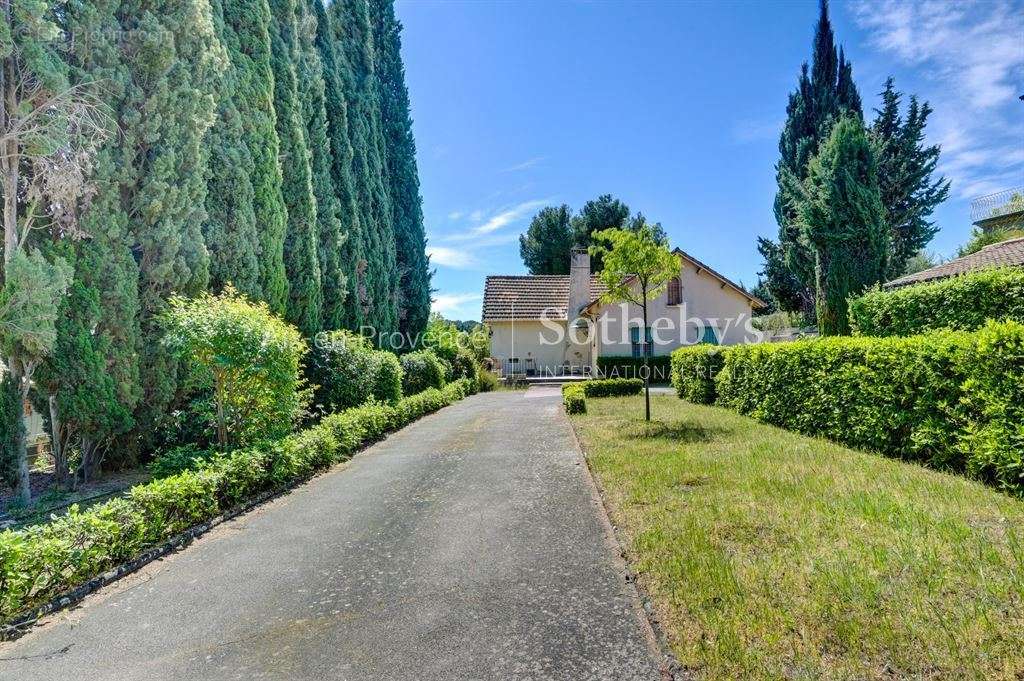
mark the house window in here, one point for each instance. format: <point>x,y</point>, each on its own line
<point>675,291</point>
<point>639,349</point>
<point>710,335</point>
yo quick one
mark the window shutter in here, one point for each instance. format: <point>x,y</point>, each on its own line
<point>675,292</point>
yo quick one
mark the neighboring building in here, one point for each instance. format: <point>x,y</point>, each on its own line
<point>999,211</point>
<point>1008,253</point>
<point>554,324</point>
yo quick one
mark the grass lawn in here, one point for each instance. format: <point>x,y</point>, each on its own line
<point>771,555</point>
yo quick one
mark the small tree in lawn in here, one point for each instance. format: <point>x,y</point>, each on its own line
<point>249,360</point>
<point>637,267</point>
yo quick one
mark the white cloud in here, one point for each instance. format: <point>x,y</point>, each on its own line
<point>459,259</point>
<point>970,57</point>
<point>528,163</point>
<point>455,305</point>
<point>508,216</point>
<point>476,216</point>
<point>455,215</point>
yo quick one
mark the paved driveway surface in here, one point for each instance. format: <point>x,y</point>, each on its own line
<point>467,546</point>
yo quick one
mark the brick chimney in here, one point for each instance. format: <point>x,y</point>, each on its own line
<point>579,281</point>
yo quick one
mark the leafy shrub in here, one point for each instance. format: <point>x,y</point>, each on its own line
<point>245,357</point>
<point>179,459</point>
<point>952,400</point>
<point>347,371</point>
<point>464,365</point>
<point>486,381</point>
<point>574,398</point>
<point>965,303</point>
<point>631,367</point>
<point>612,387</point>
<point>422,369</point>
<point>693,372</point>
<point>40,562</point>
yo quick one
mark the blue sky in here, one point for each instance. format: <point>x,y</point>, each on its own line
<point>675,108</point>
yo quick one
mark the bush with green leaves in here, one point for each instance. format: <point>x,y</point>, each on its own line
<point>574,394</point>
<point>245,357</point>
<point>574,398</point>
<point>694,368</point>
<point>487,381</point>
<point>41,562</point>
<point>347,371</point>
<point>952,400</point>
<point>421,370</point>
<point>965,303</point>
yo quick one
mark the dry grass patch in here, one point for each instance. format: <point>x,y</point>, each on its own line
<point>772,555</point>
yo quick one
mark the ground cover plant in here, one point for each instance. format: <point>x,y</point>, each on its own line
<point>771,555</point>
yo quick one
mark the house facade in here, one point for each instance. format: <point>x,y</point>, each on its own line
<point>557,324</point>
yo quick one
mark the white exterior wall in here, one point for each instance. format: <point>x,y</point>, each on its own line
<point>526,343</point>
<point>703,297</point>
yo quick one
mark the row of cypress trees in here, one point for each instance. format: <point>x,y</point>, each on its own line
<point>262,143</point>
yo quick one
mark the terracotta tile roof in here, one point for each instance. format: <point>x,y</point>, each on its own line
<point>532,295</point>
<point>1006,254</point>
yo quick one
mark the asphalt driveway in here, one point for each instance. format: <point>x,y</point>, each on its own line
<point>467,546</point>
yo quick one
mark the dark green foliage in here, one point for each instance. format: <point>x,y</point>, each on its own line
<point>301,243</point>
<point>604,212</point>
<point>376,278</point>
<point>842,220</point>
<point>347,372</point>
<point>981,238</point>
<point>825,91</point>
<point>230,228</point>
<point>421,370</point>
<point>952,400</point>
<point>545,246</point>
<point>402,176</point>
<point>44,561</point>
<point>464,365</point>
<point>611,366</point>
<point>693,372</point>
<point>964,303</point>
<point>12,429</point>
<point>905,167</point>
<point>312,92</point>
<point>247,26</point>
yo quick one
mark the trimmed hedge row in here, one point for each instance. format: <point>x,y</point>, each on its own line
<point>965,303</point>
<point>41,562</point>
<point>574,394</point>
<point>693,372</point>
<point>952,400</point>
<point>630,367</point>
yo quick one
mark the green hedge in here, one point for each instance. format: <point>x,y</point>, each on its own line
<point>630,367</point>
<point>964,303</point>
<point>693,372</point>
<point>574,394</point>
<point>41,562</point>
<point>952,400</point>
<point>422,370</point>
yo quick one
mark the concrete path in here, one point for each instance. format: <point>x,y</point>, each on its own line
<point>467,546</point>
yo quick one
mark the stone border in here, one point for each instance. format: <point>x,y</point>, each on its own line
<point>647,613</point>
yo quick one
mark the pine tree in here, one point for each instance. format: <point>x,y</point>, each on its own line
<point>825,91</point>
<point>230,228</point>
<point>546,244</point>
<point>604,212</point>
<point>301,243</point>
<point>905,168</point>
<point>377,279</point>
<point>249,22</point>
<point>312,92</point>
<point>339,131</point>
<point>403,177</point>
<point>841,217</point>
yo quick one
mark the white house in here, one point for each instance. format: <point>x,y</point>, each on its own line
<point>554,324</point>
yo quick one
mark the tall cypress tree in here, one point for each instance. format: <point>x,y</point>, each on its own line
<point>825,92</point>
<point>905,168</point>
<point>841,217</point>
<point>301,243</point>
<point>376,279</point>
<point>250,55</point>
<point>403,177</point>
<point>230,228</point>
<point>312,91</point>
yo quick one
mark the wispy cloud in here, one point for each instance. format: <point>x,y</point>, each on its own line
<point>970,56</point>
<point>528,163</point>
<point>459,259</point>
<point>507,216</point>
<point>456,305</point>
<point>455,215</point>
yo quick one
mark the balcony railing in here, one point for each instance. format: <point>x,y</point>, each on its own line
<point>1000,204</point>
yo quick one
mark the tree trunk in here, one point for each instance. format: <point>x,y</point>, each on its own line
<point>647,368</point>
<point>60,462</point>
<point>24,488</point>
